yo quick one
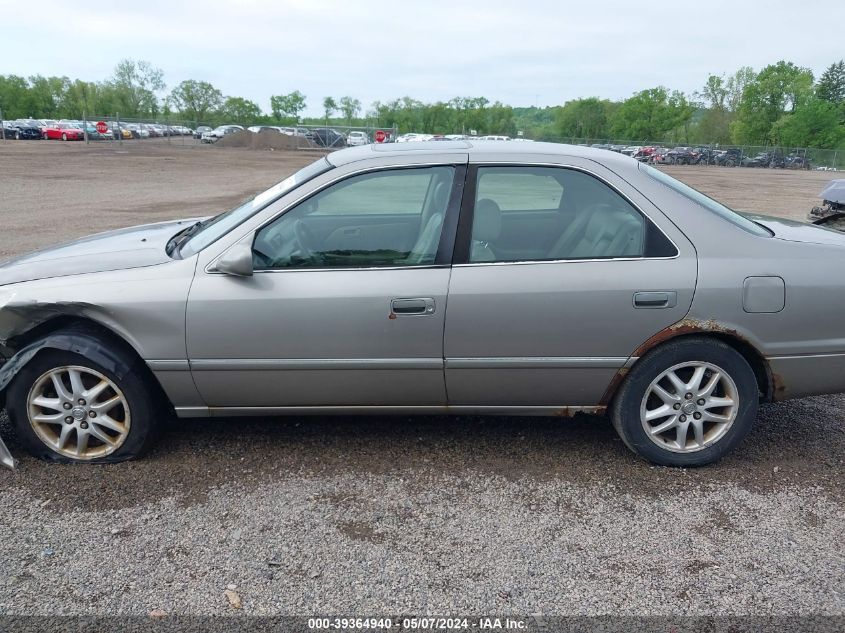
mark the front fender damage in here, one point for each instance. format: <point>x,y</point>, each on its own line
<point>79,340</point>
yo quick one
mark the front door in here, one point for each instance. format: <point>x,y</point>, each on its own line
<point>347,303</point>
<point>561,272</point>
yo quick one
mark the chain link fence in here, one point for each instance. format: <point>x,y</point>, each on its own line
<point>722,155</point>
<point>176,130</point>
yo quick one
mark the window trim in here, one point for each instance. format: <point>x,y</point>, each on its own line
<point>464,235</point>
<point>445,247</point>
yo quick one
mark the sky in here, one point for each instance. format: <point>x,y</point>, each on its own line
<point>533,52</point>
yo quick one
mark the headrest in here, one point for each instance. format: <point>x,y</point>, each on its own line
<point>487,221</point>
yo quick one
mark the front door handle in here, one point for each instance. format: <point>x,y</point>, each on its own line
<point>662,299</point>
<point>412,307</point>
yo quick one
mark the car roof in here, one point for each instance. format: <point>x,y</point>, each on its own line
<point>422,148</point>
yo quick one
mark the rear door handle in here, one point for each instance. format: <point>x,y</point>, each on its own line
<point>412,307</point>
<point>661,299</point>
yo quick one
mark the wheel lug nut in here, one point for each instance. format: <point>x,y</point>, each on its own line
<point>697,416</point>
<point>66,405</point>
<point>683,418</point>
<point>701,401</point>
<point>688,396</point>
<point>81,401</point>
<point>677,405</point>
<point>68,420</point>
<point>84,425</point>
<point>92,414</point>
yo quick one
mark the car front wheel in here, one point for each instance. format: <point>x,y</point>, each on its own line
<point>687,403</point>
<point>68,408</point>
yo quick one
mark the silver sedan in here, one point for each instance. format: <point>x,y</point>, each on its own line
<point>457,277</point>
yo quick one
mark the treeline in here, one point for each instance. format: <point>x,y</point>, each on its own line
<point>782,104</point>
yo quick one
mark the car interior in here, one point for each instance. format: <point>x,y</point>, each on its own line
<point>395,218</point>
<point>560,214</point>
<point>381,219</point>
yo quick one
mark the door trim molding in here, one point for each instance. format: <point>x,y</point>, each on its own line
<point>535,362</point>
<point>305,364</point>
<point>544,411</point>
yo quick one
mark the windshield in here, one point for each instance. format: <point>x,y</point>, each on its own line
<point>218,226</point>
<point>708,203</point>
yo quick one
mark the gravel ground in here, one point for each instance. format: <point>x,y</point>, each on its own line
<point>373,516</point>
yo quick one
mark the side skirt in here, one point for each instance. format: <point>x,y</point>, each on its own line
<point>545,411</point>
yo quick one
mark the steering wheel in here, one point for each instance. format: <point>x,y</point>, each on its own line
<point>306,239</point>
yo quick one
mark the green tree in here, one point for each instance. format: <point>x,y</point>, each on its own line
<point>736,84</point>
<point>831,86</point>
<point>814,123</point>
<point>651,115</point>
<point>584,119</point>
<point>15,98</point>
<point>350,108</point>
<point>287,107</point>
<point>779,88</point>
<point>196,99</point>
<point>329,107</point>
<point>136,84</point>
<point>240,110</point>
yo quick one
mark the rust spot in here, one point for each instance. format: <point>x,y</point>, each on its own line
<point>613,386</point>
<point>684,326</point>
<point>571,412</point>
<point>392,316</point>
<point>778,387</point>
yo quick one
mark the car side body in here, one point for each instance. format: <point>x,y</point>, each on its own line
<point>463,333</point>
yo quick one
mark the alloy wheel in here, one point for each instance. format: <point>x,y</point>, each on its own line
<point>78,412</point>
<point>689,407</point>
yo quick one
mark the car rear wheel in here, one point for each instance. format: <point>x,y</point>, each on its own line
<point>687,403</point>
<point>68,408</point>
<point>64,136</point>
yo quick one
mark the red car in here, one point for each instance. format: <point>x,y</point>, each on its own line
<point>64,131</point>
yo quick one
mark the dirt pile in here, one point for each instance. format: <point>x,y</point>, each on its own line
<point>265,139</point>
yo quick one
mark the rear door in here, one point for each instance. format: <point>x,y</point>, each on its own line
<point>561,271</point>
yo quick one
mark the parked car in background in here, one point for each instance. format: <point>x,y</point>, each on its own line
<point>356,137</point>
<point>94,135</point>
<point>631,150</point>
<point>21,129</point>
<point>327,137</point>
<point>219,132</point>
<point>704,156</point>
<point>43,124</point>
<point>644,153</point>
<point>682,156</point>
<point>660,156</point>
<point>765,159</point>
<point>119,131</point>
<point>796,161</point>
<point>730,157</point>
<point>152,130</point>
<point>200,130</point>
<point>66,131</point>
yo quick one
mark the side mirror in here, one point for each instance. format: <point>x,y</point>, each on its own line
<point>237,261</point>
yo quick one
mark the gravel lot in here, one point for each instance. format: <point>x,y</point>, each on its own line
<point>427,515</point>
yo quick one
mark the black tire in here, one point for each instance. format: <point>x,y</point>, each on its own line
<point>146,417</point>
<point>625,409</point>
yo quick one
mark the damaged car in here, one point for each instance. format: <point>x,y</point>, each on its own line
<point>577,281</point>
<point>831,213</point>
